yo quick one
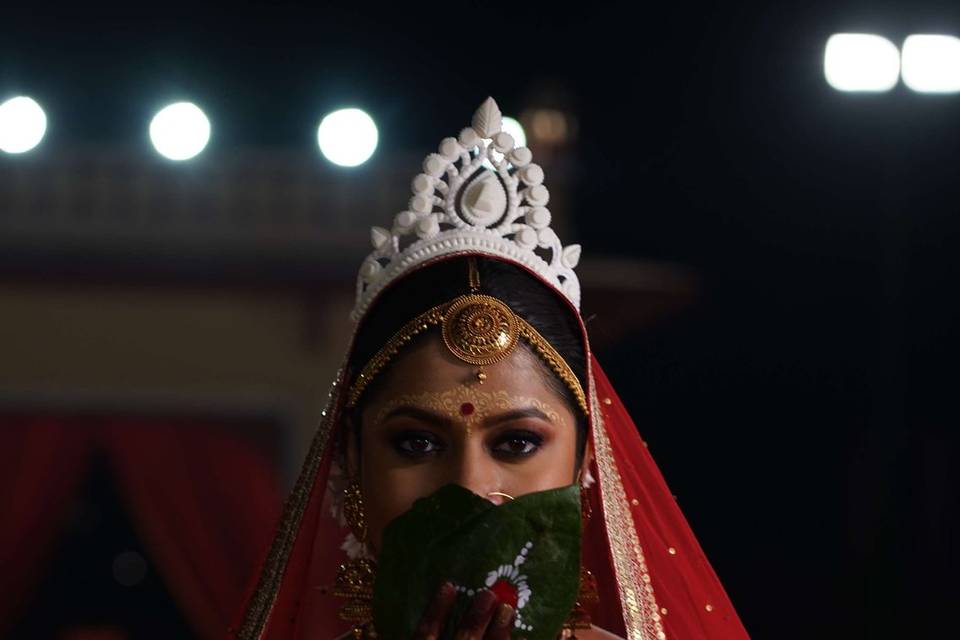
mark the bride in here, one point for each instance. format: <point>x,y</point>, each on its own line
<point>470,365</point>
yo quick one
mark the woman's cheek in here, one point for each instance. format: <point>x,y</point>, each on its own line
<point>390,495</point>
<point>534,476</point>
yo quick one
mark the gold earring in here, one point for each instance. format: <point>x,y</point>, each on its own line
<point>353,510</point>
<point>586,510</point>
<point>355,578</point>
<point>587,595</point>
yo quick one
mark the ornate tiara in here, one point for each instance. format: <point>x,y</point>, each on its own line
<point>460,206</point>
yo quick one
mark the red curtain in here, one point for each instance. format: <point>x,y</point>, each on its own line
<point>203,500</point>
<point>42,462</point>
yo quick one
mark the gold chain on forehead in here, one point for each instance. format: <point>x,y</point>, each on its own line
<point>478,329</point>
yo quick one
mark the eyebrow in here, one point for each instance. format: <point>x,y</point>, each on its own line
<point>407,411</point>
<point>515,414</point>
<point>416,413</point>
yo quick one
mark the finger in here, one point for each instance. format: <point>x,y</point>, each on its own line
<point>477,618</point>
<point>435,615</point>
<point>501,623</point>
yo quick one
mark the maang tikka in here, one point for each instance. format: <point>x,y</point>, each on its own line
<point>355,577</point>
<point>478,329</point>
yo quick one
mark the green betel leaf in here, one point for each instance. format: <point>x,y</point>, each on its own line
<point>528,548</point>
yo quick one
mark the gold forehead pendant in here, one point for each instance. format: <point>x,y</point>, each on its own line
<point>479,329</point>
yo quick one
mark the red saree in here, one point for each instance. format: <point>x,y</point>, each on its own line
<point>653,578</point>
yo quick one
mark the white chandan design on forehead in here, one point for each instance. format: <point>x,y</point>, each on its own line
<point>460,206</point>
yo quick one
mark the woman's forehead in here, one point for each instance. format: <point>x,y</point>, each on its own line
<point>428,366</point>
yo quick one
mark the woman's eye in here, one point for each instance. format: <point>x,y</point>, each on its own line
<point>416,444</point>
<point>519,444</point>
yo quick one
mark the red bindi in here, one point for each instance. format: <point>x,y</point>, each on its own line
<point>466,409</point>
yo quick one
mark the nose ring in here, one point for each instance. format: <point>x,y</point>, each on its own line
<point>501,493</point>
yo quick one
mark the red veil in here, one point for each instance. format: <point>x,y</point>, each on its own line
<point>653,579</point>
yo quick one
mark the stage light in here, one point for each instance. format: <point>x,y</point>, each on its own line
<point>22,124</point>
<point>931,63</point>
<point>347,137</point>
<point>861,62</point>
<point>550,126</point>
<point>515,129</point>
<point>180,131</point>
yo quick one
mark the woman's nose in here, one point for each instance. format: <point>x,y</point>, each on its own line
<point>474,470</point>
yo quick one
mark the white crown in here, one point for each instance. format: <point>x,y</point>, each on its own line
<point>460,206</point>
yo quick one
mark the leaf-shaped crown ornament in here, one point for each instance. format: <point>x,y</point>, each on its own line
<point>461,206</point>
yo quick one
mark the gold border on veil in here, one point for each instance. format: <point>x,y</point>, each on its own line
<point>275,565</point>
<point>641,615</point>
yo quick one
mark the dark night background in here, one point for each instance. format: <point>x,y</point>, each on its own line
<point>803,409</point>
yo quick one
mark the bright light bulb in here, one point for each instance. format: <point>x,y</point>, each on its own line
<point>22,124</point>
<point>931,63</point>
<point>347,137</point>
<point>180,131</point>
<point>515,129</point>
<point>861,62</point>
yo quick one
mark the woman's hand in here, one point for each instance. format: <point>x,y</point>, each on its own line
<point>486,619</point>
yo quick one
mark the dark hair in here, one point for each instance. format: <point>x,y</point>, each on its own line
<point>429,286</point>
